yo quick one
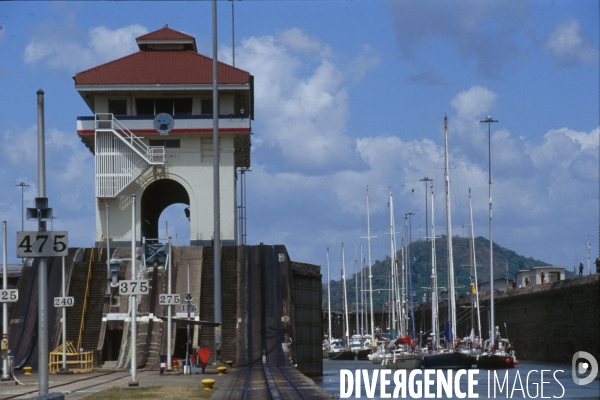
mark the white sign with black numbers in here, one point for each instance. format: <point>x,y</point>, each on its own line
<point>9,296</point>
<point>64,301</point>
<point>169,299</point>
<point>42,244</point>
<point>128,288</point>
<point>189,308</point>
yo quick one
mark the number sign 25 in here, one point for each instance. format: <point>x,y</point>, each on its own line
<point>9,296</point>
<point>129,288</point>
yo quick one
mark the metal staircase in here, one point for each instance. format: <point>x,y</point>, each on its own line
<point>121,156</point>
<point>88,287</point>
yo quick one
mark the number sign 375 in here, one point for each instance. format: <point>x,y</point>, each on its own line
<point>134,287</point>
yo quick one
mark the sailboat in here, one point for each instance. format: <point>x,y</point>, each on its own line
<point>403,354</point>
<point>358,342</point>
<point>342,351</point>
<point>450,357</point>
<point>498,352</point>
<point>472,345</point>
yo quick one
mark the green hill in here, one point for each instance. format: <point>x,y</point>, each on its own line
<point>420,255</point>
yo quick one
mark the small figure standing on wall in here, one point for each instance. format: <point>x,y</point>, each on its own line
<point>542,275</point>
<point>514,283</point>
<point>526,281</point>
<point>580,269</point>
<point>597,262</point>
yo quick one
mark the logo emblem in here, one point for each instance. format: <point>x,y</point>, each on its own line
<point>163,123</point>
<point>580,368</point>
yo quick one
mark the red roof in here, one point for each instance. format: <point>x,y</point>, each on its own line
<point>165,33</point>
<point>152,66</point>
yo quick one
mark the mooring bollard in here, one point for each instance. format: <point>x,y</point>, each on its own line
<point>222,370</point>
<point>208,384</point>
<point>27,370</point>
<point>229,363</point>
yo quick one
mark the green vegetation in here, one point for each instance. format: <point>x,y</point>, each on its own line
<point>153,392</point>
<point>420,255</point>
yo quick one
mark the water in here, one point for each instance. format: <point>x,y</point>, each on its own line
<point>557,378</point>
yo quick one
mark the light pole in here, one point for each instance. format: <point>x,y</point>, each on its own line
<point>22,184</point>
<point>489,121</point>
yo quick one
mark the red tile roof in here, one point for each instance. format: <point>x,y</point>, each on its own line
<point>165,33</point>
<point>149,67</point>
<point>161,67</point>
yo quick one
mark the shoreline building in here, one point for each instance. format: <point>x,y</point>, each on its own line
<point>151,135</point>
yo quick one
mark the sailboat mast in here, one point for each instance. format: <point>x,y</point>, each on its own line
<point>345,296</point>
<point>363,322</point>
<point>474,264</point>
<point>392,265</point>
<point>434,294</point>
<point>328,302</point>
<point>451,298</point>
<point>356,288</point>
<point>370,269</point>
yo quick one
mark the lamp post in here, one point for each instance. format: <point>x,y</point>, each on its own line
<point>489,121</point>
<point>22,184</point>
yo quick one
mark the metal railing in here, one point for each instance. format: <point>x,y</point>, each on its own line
<point>77,362</point>
<point>85,300</point>
<point>154,155</point>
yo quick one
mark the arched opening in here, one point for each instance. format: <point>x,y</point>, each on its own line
<point>174,222</point>
<point>156,198</point>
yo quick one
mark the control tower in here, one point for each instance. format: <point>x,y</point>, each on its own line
<point>151,135</point>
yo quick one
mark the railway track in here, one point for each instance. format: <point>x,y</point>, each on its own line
<point>83,384</point>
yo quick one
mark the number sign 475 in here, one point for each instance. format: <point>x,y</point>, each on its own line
<point>42,244</point>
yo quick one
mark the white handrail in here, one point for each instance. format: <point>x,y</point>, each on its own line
<point>152,154</point>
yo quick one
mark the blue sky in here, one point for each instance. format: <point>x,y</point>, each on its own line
<point>349,94</point>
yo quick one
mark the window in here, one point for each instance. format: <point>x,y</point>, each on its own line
<point>207,106</point>
<point>179,106</point>
<point>144,106</point>
<point>117,106</point>
<point>167,144</point>
<point>182,106</point>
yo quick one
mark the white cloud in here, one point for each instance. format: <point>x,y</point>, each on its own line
<point>303,93</point>
<point>65,48</point>
<point>474,102</point>
<point>107,45</point>
<point>569,46</point>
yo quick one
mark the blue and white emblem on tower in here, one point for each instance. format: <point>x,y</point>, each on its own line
<point>163,123</point>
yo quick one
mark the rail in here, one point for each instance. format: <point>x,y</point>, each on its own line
<point>85,299</point>
<point>154,155</point>
<point>79,362</point>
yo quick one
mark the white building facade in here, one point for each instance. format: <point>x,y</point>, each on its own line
<point>151,133</point>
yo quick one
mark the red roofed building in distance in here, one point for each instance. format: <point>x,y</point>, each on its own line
<point>151,134</point>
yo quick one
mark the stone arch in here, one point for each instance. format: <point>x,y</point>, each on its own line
<point>156,198</point>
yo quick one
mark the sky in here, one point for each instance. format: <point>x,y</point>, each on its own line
<point>348,95</point>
